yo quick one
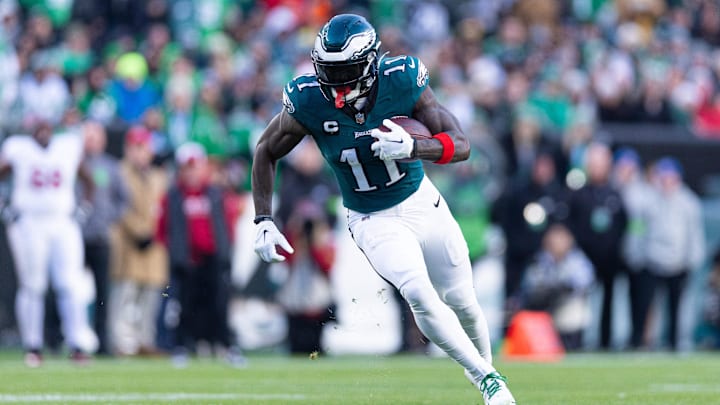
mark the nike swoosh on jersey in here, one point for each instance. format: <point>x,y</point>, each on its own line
<point>437,204</point>
<point>400,141</point>
<point>290,89</point>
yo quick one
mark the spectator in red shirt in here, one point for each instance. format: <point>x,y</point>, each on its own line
<point>707,119</point>
<point>197,232</point>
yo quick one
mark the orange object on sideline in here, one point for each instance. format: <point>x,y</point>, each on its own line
<point>532,336</point>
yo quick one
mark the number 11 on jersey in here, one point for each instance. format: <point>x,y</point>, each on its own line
<point>350,157</point>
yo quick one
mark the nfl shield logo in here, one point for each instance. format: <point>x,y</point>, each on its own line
<point>360,118</point>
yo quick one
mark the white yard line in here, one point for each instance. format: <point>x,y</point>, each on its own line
<point>675,387</point>
<point>150,396</point>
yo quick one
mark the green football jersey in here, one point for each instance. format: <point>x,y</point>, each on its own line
<point>367,183</point>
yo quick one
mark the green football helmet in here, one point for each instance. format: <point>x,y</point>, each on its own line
<point>345,57</point>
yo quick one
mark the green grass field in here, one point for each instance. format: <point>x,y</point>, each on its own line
<point>269,379</point>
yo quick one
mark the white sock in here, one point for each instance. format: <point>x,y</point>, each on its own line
<point>472,319</point>
<point>30,314</point>
<point>439,324</point>
<point>75,323</point>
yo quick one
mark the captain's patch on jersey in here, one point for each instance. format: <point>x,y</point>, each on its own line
<point>423,75</point>
<point>331,127</point>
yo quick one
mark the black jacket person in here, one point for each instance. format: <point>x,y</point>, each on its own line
<point>598,220</point>
<point>197,231</point>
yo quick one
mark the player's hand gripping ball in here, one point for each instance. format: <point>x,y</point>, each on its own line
<point>396,138</point>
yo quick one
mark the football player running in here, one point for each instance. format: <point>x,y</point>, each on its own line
<point>395,214</point>
<point>44,236</point>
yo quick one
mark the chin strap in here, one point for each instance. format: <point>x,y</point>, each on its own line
<point>340,93</point>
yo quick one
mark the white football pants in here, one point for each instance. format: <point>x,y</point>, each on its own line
<point>43,247</point>
<point>418,247</point>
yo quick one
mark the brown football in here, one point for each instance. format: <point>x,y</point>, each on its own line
<point>414,127</point>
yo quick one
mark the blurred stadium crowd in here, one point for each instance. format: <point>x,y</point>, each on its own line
<point>531,81</point>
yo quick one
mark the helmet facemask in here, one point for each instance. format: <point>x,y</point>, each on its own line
<point>346,67</point>
<point>344,82</point>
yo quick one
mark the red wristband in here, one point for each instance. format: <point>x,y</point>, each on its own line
<point>448,148</point>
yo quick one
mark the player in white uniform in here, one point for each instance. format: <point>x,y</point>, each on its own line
<point>44,236</point>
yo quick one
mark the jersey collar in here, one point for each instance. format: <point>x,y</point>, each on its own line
<point>360,115</point>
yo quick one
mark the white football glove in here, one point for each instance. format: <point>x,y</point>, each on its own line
<point>266,237</point>
<point>396,144</point>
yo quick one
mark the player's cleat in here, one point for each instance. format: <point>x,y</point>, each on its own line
<point>494,389</point>
<point>79,357</point>
<point>33,358</point>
